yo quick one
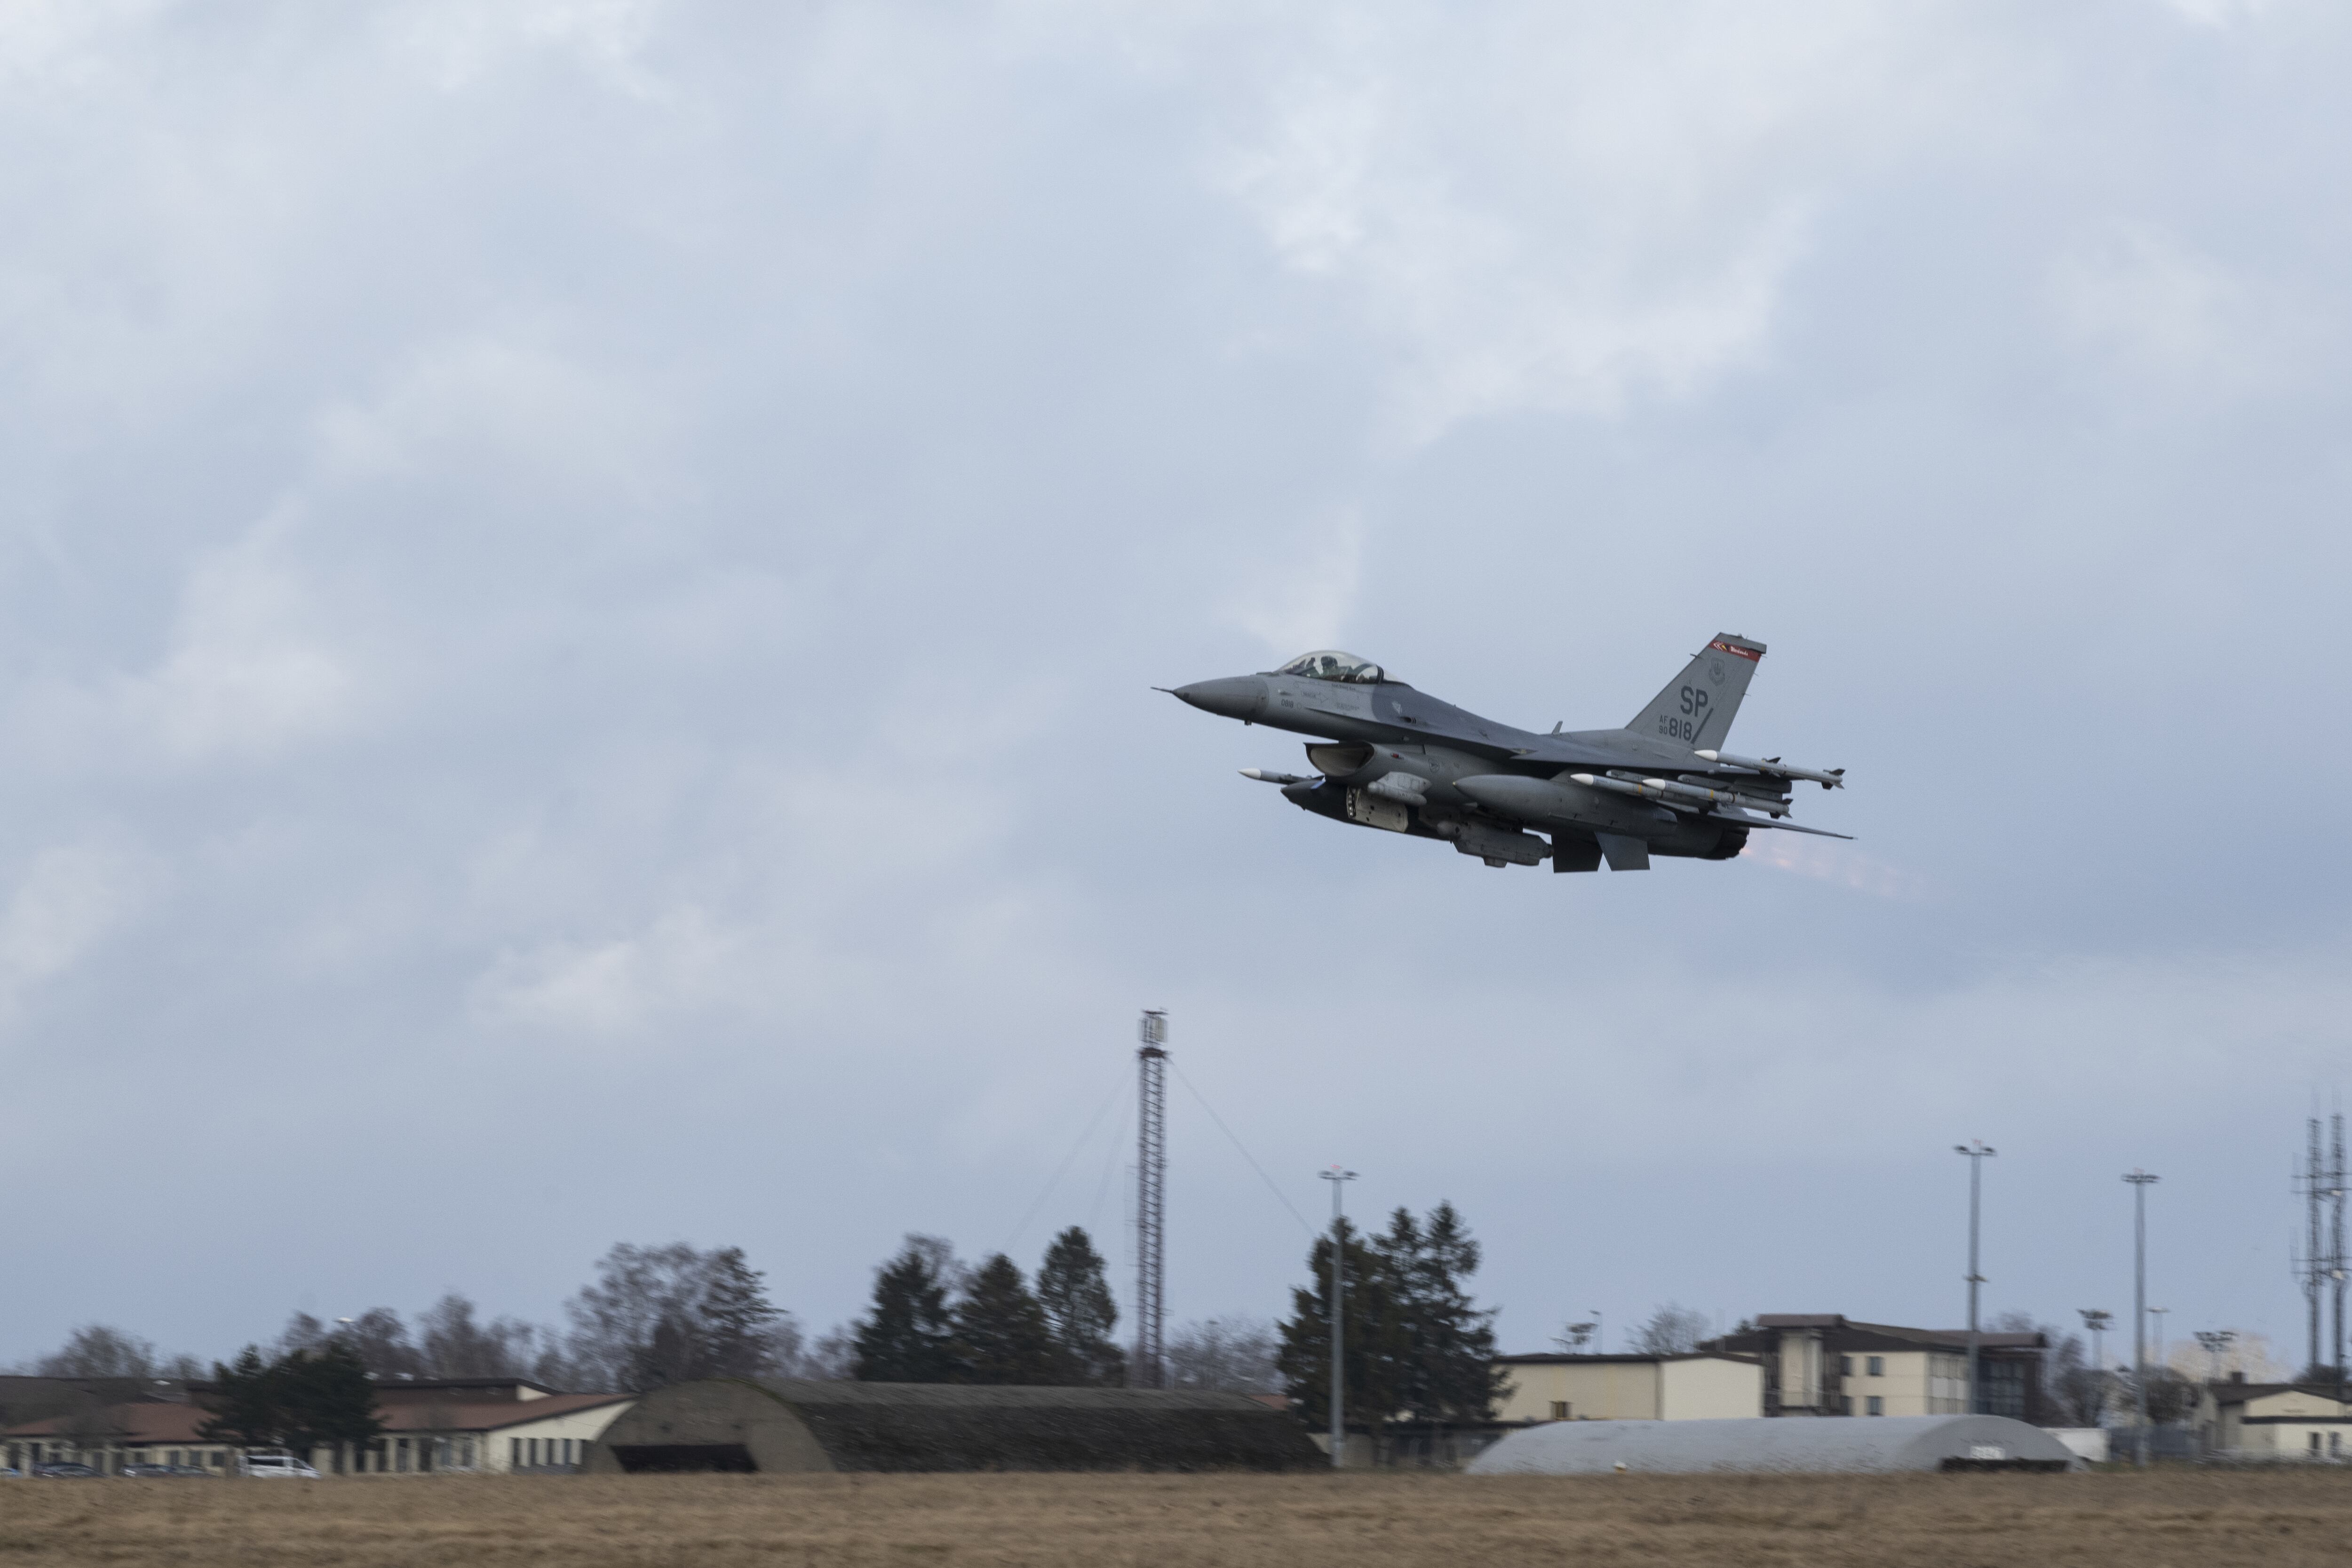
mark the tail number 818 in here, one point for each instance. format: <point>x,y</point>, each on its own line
<point>1687,727</point>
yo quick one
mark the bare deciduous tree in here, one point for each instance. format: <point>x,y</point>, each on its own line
<point>95,1350</point>
<point>302,1332</point>
<point>1227,1355</point>
<point>1671,1330</point>
<point>2070,1387</point>
<point>378,1336</point>
<point>656,1315</point>
<point>832,1358</point>
<point>454,1344</point>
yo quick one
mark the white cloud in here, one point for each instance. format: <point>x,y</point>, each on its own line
<point>1298,593</point>
<point>2153,306</point>
<point>56,40</point>
<point>457,44</point>
<point>68,900</point>
<point>252,668</point>
<point>682,964</point>
<point>1576,208</point>
<point>488,402</point>
<point>2222,15</point>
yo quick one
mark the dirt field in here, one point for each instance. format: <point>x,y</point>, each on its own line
<point>2192,1520</point>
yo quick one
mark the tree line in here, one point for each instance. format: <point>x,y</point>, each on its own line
<point>659,1314</point>
<point>1418,1348</point>
<point>932,1319</point>
<point>651,1315</point>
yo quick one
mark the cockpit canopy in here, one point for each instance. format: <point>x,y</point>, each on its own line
<point>1331,664</point>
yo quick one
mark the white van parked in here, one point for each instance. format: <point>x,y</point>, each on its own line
<point>277,1466</point>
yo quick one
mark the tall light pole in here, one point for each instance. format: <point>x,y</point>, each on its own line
<point>2157,1360</point>
<point>1339,1179</point>
<point>2140,1182</point>
<point>2215,1342</point>
<point>2097,1320</point>
<point>1978,1153</point>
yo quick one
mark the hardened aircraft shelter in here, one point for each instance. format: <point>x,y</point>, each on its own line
<point>1765,1444</point>
<point>801,1426</point>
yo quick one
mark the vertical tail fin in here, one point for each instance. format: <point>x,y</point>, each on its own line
<point>1697,706</point>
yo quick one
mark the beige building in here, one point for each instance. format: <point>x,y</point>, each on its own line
<point>2274,1420</point>
<point>1628,1388</point>
<point>1818,1364</point>
<point>477,1425</point>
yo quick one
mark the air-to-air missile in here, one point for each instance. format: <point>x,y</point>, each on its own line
<point>1833,778</point>
<point>1696,794</point>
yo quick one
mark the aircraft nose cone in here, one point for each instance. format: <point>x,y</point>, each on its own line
<point>1234,697</point>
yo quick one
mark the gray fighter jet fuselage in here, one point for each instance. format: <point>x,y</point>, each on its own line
<point>1395,758</point>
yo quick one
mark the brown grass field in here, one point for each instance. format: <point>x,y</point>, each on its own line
<point>2192,1518</point>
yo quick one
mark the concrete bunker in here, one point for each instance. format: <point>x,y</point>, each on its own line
<point>744,1426</point>
<point>1785,1444</point>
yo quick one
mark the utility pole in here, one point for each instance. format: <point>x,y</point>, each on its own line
<point>1150,1370</point>
<point>1339,1179</point>
<point>2140,1182</point>
<point>2097,1320</point>
<point>1978,1153</point>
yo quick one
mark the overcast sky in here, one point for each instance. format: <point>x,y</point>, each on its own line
<point>582,578</point>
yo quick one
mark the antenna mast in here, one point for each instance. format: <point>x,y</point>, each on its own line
<point>1148,1370</point>
<point>2336,1261</point>
<point>2311,1268</point>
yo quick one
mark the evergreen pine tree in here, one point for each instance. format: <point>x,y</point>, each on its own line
<point>1371,1335</point>
<point>325,1398</point>
<point>1079,1312</point>
<point>1000,1332</point>
<point>1445,1369</point>
<point>735,1318</point>
<point>244,1404</point>
<point>905,1336</point>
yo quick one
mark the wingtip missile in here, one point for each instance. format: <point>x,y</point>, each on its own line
<point>1267,776</point>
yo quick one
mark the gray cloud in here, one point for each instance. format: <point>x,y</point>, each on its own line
<point>582,586</point>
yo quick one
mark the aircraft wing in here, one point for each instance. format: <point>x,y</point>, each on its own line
<point>1764,822</point>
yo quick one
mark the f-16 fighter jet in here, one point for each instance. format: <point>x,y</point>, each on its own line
<point>1389,757</point>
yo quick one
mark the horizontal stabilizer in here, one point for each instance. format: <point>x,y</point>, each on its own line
<point>1570,853</point>
<point>1625,854</point>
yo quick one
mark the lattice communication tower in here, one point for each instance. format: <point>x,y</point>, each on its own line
<point>1150,1367</point>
